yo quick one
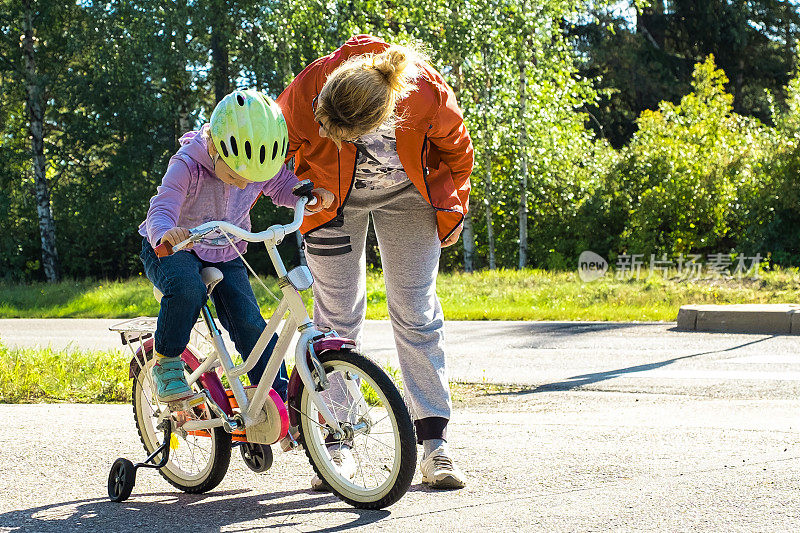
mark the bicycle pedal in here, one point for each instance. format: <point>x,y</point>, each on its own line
<point>187,404</point>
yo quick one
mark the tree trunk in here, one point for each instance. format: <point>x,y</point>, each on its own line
<point>285,59</point>
<point>468,236</point>
<point>788,45</point>
<point>523,160</point>
<point>184,91</point>
<point>488,150</point>
<point>468,232</point>
<point>738,86</point>
<point>487,205</point>
<point>184,124</point>
<point>651,23</point>
<point>35,107</point>
<point>219,52</point>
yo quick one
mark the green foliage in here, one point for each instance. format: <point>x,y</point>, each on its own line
<point>684,168</point>
<point>28,374</point>
<point>699,178</point>
<point>648,55</point>
<point>679,164</point>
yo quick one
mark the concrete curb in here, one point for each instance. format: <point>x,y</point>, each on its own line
<point>775,319</point>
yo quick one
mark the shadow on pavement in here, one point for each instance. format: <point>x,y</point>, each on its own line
<point>589,379</point>
<point>533,335</point>
<point>574,328</point>
<point>176,511</point>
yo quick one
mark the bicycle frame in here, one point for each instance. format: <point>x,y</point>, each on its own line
<point>298,319</point>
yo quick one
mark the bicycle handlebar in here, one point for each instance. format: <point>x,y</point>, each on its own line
<point>275,233</point>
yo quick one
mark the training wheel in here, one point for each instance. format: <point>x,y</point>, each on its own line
<point>121,480</point>
<point>257,457</point>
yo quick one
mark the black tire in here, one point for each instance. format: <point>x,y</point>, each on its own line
<point>403,456</point>
<point>219,455</point>
<point>121,480</point>
<point>257,457</point>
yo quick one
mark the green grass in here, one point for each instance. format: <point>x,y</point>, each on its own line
<point>543,295</point>
<point>37,375</point>
<point>487,295</point>
<point>95,299</point>
<point>30,375</point>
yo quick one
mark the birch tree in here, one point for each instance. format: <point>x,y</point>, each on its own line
<point>37,46</point>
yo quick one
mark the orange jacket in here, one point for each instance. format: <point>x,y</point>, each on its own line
<point>432,142</point>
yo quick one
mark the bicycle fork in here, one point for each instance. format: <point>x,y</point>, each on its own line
<point>304,352</point>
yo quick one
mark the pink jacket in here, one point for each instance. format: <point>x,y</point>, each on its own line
<point>191,194</point>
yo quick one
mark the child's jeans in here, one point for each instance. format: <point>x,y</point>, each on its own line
<point>178,277</point>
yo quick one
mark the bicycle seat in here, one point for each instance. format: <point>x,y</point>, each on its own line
<point>211,276</point>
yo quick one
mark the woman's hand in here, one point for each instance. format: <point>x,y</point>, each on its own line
<point>324,198</point>
<point>176,235</point>
<point>453,238</point>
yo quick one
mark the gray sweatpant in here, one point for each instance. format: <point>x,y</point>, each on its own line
<point>405,225</point>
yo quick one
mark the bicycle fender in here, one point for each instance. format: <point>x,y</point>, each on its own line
<point>334,343</point>
<point>322,345</point>
<point>138,361</point>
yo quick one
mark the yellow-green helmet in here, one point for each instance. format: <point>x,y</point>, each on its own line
<point>250,134</point>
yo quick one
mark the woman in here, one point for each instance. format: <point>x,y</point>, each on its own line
<point>379,128</point>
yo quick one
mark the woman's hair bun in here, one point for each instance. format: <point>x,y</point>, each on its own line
<point>393,63</point>
<point>362,93</point>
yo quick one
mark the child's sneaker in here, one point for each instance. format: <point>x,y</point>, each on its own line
<point>439,472</point>
<point>171,384</point>
<point>342,457</point>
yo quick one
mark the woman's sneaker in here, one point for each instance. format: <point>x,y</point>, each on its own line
<point>342,457</point>
<point>170,381</point>
<point>439,472</point>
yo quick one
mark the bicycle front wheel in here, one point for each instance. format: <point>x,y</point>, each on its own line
<point>198,460</point>
<point>378,432</point>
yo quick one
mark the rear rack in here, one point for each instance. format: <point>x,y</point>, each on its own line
<point>136,329</point>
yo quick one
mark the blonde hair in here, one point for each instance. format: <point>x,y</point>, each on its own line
<point>206,133</point>
<point>362,93</point>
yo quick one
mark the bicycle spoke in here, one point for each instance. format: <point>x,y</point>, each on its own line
<point>360,469</point>
<point>371,463</point>
<point>191,453</point>
<point>353,404</point>
<point>381,420</point>
<point>201,448</point>
<point>379,442</point>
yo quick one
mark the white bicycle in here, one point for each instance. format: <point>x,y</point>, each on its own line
<point>336,397</point>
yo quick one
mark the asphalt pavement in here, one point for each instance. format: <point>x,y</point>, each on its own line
<point>630,427</point>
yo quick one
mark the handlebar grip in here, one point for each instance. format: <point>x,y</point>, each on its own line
<point>163,250</point>
<point>303,188</point>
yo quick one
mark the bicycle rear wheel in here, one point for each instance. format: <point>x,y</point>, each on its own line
<point>198,460</point>
<point>380,434</point>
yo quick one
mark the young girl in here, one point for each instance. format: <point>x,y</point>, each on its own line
<point>217,174</point>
